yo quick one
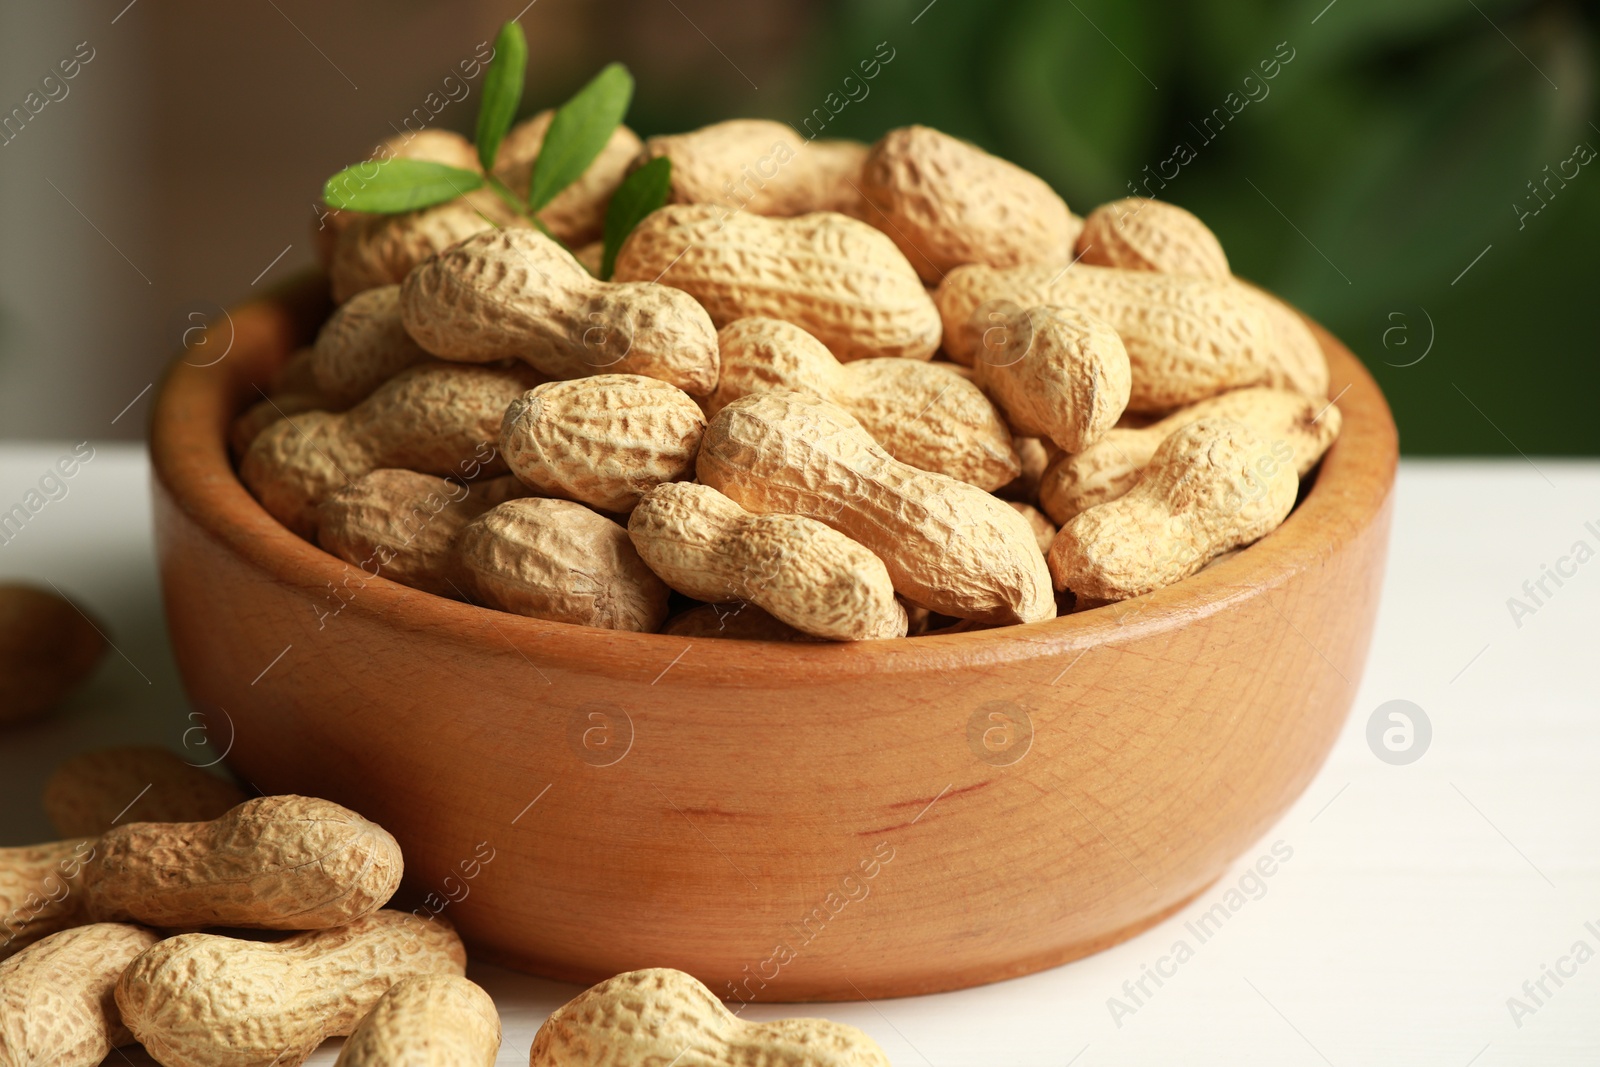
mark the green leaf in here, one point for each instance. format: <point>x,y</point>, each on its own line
<point>1423,192</point>
<point>1057,57</point>
<point>392,186</point>
<point>640,193</point>
<point>502,92</point>
<point>579,130</point>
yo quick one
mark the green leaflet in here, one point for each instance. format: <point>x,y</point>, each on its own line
<point>640,193</point>
<point>396,185</point>
<point>502,92</point>
<point>578,132</point>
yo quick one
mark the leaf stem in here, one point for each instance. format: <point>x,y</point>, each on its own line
<point>504,192</point>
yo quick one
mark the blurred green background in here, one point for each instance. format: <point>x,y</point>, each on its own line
<point>1363,181</point>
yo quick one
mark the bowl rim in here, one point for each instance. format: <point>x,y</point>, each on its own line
<point>198,401</point>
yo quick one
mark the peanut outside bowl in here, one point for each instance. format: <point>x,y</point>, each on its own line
<point>784,822</point>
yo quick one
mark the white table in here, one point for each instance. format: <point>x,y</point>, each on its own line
<point>1418,897</point>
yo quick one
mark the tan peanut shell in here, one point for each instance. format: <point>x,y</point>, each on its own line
<point>921,413</point>
<point>760,166</point>
<point>429,1020</point>
<point>1044,531</point>
<point>436,418</point>
<point>802,572</point>
<point>736,622</point>
<point>47,649</point>
<point>272,863</point>
<point>836,166</point>
<point>202,1000</point>
<point>948,546</point>
<point>57,997</point>
<point>945,202</point>
<point>41,890</point>
<point>379,250</point>
<point>400,524</point>
<point>1304,366</point>
<point>1187,338</point>
<point>516,294</point>
<point>1075,224</point>
<point>1111,466</point>
<point>661,1016</point>
<point>431,143</point>
<point>577,214</point>
<point>557,560</point>
<point>263,413</point>
<point>1137,233</point>
<point>1212,486</point>
<point>295,375</point>
<point>602,441</point>
<point>362,345</point>
<point>94,791</point>
<point>840,280</point>
<point>1056,372</point>
<point>1035,456</point>
<point>592,256</point>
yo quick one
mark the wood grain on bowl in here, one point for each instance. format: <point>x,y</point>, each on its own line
<point>784,821</point>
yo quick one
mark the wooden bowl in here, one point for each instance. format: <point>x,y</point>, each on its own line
<point>783,821</point>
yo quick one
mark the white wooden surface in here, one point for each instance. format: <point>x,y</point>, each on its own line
<point>1417,900</point>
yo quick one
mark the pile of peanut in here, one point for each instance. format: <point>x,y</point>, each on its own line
<point>105,942</point>
<point>888,390</point>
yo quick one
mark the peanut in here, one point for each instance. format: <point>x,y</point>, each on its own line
<point>41,891</point>
<point>263,413</point>
<point>1035,456</point>
<point>947,545</point>
<point>603,441</point>
<point>661,1016</point>
<point>557,560</point>
<point>803,573</point>
<point>57,998</point>
<point>437,418</point>
<point>430,1020</point>
<point>1044,531</point>
<point>1213,485</point>
<point>742,622</point>
<point>837,167</point>
<point>400,524</point>
<point>1075,224</point>
<point>1140,234</point>
<point>728,162</point>
<point>379,250</point>
<point>577,214</point>
<point>1304,366</point>
<point>515,294</point>
<point>592,256</point>
<point>295,375</point>
<point>945,202</point>
<point>203,1000</point>
<point>1187,338</point>
<point>48,648</point>
<point>1111,466</point>
<point>93,791</point>
<point>441,146</point>
<point>362,346</point>
<point>1056,372</point>
<point>838,279</point>
<point>919,412</point>
<point>273,863</point>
